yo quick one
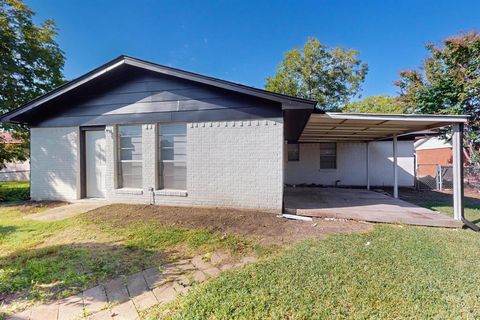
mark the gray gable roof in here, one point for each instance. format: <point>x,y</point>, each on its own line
<point>287,102</point>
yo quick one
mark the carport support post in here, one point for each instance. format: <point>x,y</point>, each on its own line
<point>457,146</point>
<point>368,164</point>
<point>395,167</point>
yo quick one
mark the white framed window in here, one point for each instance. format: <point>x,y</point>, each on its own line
<point>173,156</point>
<point>293,150</point>
<point>328,155</point>
<point>130,156</point>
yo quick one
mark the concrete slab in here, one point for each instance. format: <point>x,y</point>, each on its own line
<point>145,301</point>
<point>70,308</point>
<point>136,284</point>
<point>116,291</point>
<point>68,210</point>
<point>45,311</point>
<point>165,293</point>
<point>363,205</point>
<point>94,299</point>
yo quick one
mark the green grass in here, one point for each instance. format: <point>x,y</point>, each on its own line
<point>40,261</point>
<point>391,272</point>
<point>14,191</point>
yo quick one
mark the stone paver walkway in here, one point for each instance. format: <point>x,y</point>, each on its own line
<point>68,210</point>
<point>126,298</point>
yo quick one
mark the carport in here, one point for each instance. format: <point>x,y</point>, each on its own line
<point>366,128</point>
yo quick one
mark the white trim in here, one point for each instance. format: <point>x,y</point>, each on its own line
<point>394,117</point>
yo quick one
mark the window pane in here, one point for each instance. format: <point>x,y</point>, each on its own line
<point>130,130</point>
<point>174,175</point>
<point>328,155</point>
<point>173,156</point>
<point>130,149</point>
<point>130,154</point>
<point>293,152</point>
<point>131,174</point>
<point>176,129</point>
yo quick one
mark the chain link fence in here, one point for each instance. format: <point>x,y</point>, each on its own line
<point>439,177</point>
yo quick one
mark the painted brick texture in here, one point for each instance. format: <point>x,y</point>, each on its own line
<point>229,164</point>
<point>54,163</point>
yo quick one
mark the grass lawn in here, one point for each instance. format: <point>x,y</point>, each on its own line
<point>40,261</point>
<point>392,272</point>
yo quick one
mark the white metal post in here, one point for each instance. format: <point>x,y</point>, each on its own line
<point>368,164</point>
<point>395,168</point>
<point>457,146</point>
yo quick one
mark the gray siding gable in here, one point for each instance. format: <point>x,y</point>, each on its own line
<point>142,97</point>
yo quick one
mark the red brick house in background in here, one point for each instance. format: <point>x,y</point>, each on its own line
<point>430,152</point>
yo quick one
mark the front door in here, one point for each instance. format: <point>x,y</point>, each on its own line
<point>95,163</point>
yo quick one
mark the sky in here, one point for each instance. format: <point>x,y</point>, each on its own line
<point>243,41</point>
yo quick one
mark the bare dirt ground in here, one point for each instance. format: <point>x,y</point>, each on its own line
<point>264,226</point>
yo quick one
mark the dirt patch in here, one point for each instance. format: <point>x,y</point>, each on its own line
<point>264,226</point>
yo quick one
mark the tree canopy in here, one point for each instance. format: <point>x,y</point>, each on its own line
<point>377,104</point>
<point>331,76</point>
<point>448,83</point>
<point>31,64</point>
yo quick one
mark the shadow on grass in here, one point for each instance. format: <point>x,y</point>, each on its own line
<point>62,270</point>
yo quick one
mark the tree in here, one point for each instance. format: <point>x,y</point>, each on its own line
<point>31,64</point>
<point>377,104</point>
<point>331,76</point>
<point>448,83</point>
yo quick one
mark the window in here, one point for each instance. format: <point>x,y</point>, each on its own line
<point>328,155</point>
<point>130,156</point>
<point>293,152</point>
<point>173,156</point>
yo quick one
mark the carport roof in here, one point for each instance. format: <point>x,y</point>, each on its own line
<point>335,126</point>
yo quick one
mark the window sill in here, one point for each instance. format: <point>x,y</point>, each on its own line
<point>129,191</point>
<point>171,192</point>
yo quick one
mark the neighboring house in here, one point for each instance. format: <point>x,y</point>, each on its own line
<point>132,130</point>
<point>17,170</point>
<point>432,151</point>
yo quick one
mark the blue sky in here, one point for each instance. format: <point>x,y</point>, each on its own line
<point>243,41</point>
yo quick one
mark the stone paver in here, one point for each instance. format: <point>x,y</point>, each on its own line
<point>200,263</point>
<point>144,301</point>
<point>45,311</point>
<point>165,293</point>
<point>102,315</point>
<point>212,272</point>
<point>116,291</point>
<point>24,315</point>
<point>67,211</point>
<point>70,308</point>
<point>94,299</point>
<point>199,276</point>
<point>118,300</point>
<point>153,277</point>
<point>125,311</point>
<point>136,284</point>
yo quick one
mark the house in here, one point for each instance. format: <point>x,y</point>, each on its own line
<point>15,170</point>
<point>132,130</point>
<point>432,151</point>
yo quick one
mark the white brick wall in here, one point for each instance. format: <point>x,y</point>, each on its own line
<point>229,164</point>
<point>54,163</point>
<point>351,165</point>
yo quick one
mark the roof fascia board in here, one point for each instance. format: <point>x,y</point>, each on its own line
<point>396,117</point>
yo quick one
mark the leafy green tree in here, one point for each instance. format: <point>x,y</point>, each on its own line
<point>31,64</point>
<point>331,76</point>
<point>377,104</point>
<point>448,83</point>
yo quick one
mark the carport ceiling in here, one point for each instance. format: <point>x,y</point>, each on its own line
<point>333,126</point>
